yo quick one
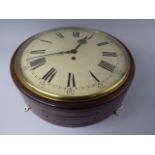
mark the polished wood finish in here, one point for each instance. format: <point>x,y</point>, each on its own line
<point>77,113</point>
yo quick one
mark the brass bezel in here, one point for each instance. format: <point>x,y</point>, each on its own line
<point>54,97</point>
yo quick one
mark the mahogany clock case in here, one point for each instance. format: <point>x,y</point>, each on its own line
<point>79,113</point>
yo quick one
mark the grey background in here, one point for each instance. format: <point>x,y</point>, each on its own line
<point>138,112</point>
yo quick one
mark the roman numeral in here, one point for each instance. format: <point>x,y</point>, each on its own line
<point>94,77</point>
<point>38,52</point>
<point>76,34</point>
<point>46,41</point>
<point>50,75</point>
<point>37,63</point>
<point>102,43</point>
<point>107,66</point>
<point>60,35</point>
<point>90,36</point>
<point>109,54</point>
<point>71,80</point>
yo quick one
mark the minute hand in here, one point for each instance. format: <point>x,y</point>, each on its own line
<point>57,53</point>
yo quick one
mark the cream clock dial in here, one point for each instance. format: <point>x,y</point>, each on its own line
<point>68,63</point>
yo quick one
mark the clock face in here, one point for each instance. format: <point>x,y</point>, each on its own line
<point>68,63</point>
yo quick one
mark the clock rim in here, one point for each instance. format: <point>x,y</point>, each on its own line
<point>60,102</point>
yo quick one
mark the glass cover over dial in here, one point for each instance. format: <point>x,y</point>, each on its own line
<point>72,63</point>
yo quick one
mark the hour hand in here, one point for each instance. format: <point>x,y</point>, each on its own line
<point>83,40</point>
<point>80,42</point>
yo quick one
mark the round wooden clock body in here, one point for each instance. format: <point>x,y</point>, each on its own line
<point>72,76</point>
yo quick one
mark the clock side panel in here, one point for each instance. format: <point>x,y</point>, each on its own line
<point>73,117</point>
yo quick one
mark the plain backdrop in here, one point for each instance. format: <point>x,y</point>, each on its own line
<point>138,111</point>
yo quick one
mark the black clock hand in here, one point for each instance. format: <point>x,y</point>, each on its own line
<point>57,53</point>
<point>80,42</point>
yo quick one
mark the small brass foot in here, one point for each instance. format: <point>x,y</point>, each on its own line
<point>27,108</point>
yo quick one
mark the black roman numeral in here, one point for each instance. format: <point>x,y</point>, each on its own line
<point>50,75</point>
<point>46,41</point>
<point>71,80</point>
<point>76,34</point>
<point>90,36</point>
<point>37,63</point>
<point>60,35</point>
<point>102,43</point>
<point>94,77</point>
<point>109,54</point>
<point>38,52</point>
<point>107,66</point>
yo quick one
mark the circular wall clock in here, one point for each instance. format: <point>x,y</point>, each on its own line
<point>72,76</point>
